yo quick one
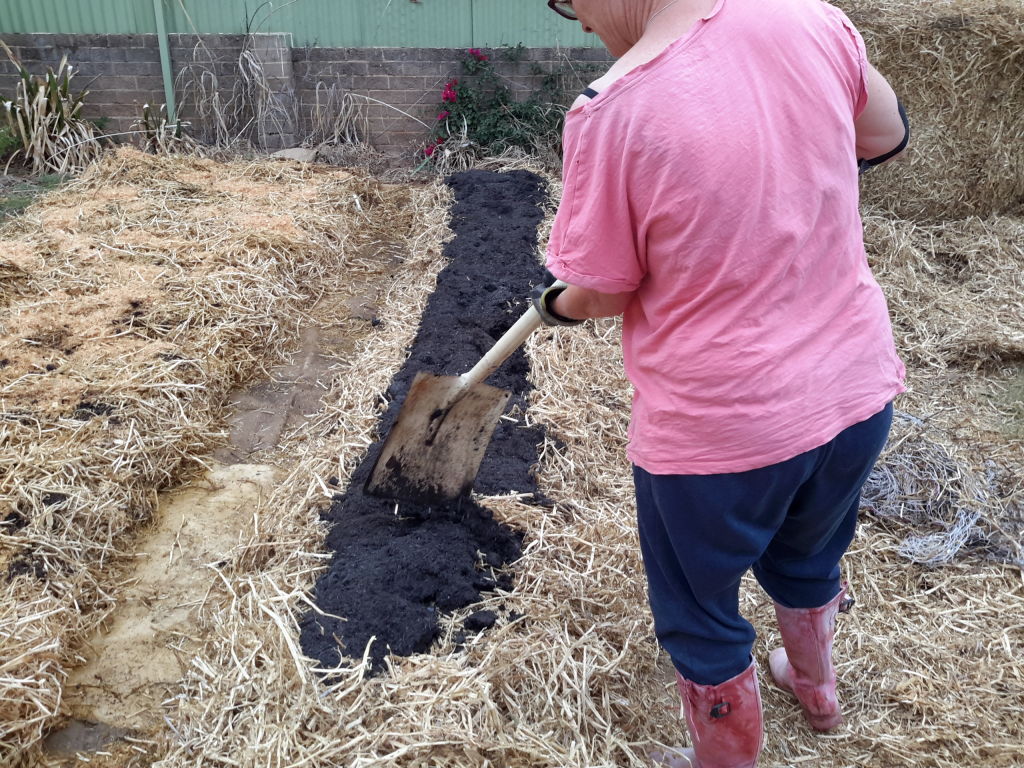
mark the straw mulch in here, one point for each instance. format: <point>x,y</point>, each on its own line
<point>134,300</point>
<point>955,465</point>
<point>929,660</point>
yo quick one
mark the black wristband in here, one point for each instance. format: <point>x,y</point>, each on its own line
<point>542,298</point>
<point>549,296</point>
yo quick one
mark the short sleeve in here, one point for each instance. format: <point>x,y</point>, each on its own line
<point>594,237</point>
<point>859,53</point>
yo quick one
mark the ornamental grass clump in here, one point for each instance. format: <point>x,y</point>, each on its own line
<point>162,137</point>
<point>44,118</point>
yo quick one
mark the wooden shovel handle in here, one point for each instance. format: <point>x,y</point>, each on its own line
<point>510,341</point>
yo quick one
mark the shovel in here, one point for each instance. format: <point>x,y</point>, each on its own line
<point>433,452</point>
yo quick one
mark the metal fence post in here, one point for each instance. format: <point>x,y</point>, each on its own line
<point>165,61</point>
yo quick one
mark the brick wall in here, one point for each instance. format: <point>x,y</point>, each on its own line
<point>410,80</point>
<point>401,86</point>
<point>122,73</point>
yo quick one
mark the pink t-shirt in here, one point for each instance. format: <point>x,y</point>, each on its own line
<point>718,182</point>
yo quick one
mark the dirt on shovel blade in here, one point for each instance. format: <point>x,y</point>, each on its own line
<point>397,567</point>
<point>434,450</point>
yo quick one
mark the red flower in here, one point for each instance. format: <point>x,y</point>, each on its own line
<point>449,94</point>
<point>428,150</point>
<point>443,115</point>
<point>477,54</point>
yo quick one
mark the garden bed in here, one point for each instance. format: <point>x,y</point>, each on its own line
<point>137,300</point>
<point>398,567</point>
<point>566,671</point>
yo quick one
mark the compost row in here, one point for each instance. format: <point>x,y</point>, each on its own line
<point>397,567</point>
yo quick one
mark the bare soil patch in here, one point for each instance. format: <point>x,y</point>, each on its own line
<point>137,658</point>
<point>18,192</point>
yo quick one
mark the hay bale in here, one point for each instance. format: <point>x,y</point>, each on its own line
<point>958,66</point>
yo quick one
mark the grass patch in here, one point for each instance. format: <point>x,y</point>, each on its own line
<point>8,144</point>
<point>17,194</point>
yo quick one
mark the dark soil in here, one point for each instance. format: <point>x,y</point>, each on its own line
<point>399,566</point>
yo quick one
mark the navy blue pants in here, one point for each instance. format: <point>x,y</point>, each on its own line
<point>791,522</point>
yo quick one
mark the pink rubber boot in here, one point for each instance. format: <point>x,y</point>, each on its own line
<point>804,665</point>
<point>724,721</point>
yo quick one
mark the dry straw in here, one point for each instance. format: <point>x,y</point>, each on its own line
<point>945,234</point>
<point>956,295</point>
<point>929,661</point>
<point>134,300</point>
<point>958,65</point>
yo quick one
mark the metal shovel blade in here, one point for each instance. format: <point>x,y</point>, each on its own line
<point>429,462</point>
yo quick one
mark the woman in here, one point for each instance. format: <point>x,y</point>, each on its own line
<point>711,198</point>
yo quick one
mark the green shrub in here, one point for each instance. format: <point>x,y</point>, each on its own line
<point>8,144</point>
<point>481,111</point>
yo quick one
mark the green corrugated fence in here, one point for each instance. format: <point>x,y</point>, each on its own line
<point>325,23</point>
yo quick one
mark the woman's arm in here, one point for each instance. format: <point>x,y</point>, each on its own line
<point>880,127</point>
<point>582,303</point>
